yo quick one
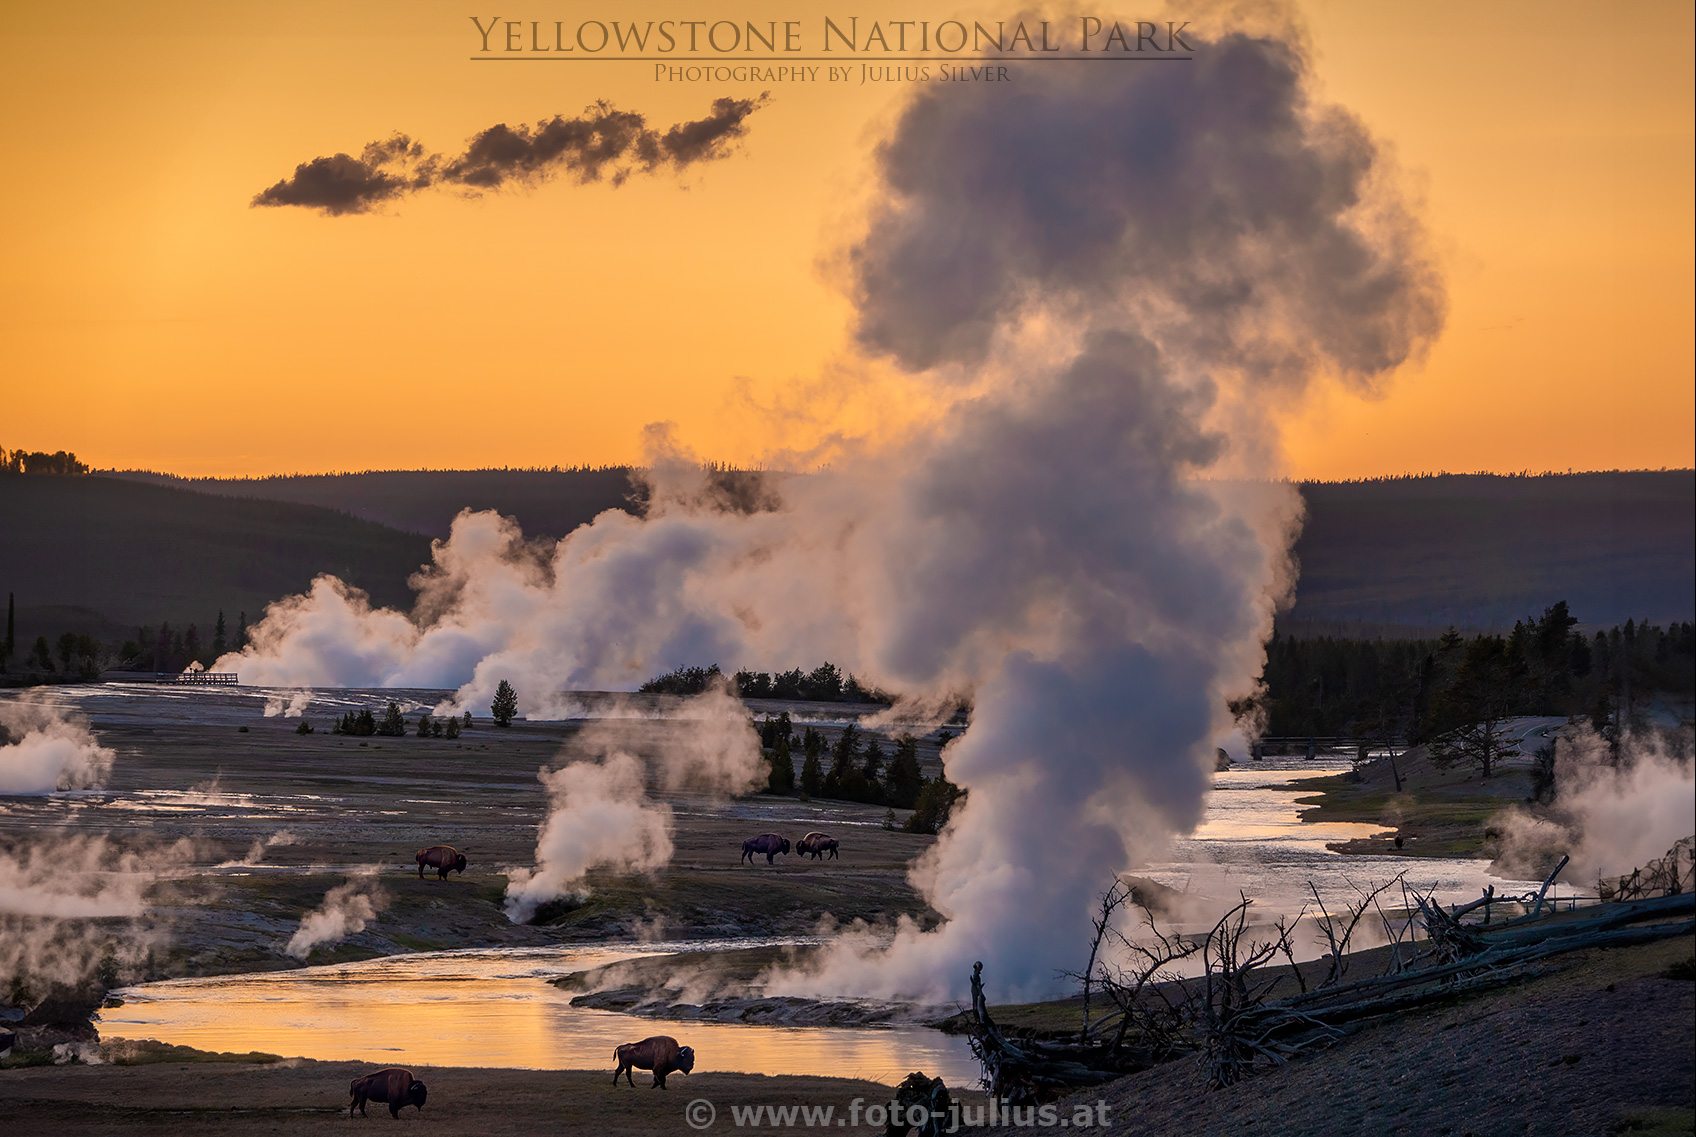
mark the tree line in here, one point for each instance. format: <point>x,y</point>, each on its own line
<point>1328,687</point>
<point>163,650</point>
<point>1454,693</point>
<point>859,770</point>
<point>59,462</point>
<point>824,684</point>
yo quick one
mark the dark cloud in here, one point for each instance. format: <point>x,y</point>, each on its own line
<point>602,144</point>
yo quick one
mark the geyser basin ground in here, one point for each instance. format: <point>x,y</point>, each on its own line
<point>186,769</point>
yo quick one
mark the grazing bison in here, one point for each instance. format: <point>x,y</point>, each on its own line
<point>443,858</point>
<point>394,1086</point>
<point>661,1054</point>
<point>816,845</point>
<point>768,843</point>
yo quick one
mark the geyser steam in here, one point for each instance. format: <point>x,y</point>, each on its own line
<point>42,751</point>
<point>600,815</point>
<point>346,910</point>
<point>1111,277</point>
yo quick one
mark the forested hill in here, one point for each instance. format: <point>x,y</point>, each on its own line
<point>1397,557</point>
<point>549,503</point>
<point>101,556</point>
<point>1481,551</point>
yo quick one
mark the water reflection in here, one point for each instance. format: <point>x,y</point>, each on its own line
<point>1253,841</point>
<point>494,1008</point>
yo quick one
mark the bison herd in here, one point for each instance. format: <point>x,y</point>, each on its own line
<point>814,845</point>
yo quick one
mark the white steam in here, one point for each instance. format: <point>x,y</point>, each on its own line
<point>599,811</point>
<point>346,910</point>
<point>1102,287</point>
<point>291,708</point>
<point>70,904</point>
<point>262,845</point>
<point>1610,819</point>
<point>44,751</point>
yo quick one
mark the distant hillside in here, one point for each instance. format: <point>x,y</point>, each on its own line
<point>1397,557</point>
<point>94,554</point>
<point>1479,551</point>
<point>549,503</point>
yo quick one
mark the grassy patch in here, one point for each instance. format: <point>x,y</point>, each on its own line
<point>1657,1122</point>
<point>146,1052</point>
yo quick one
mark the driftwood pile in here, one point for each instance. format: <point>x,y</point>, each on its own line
<point>1223,999</point>
<point>1670,875</point>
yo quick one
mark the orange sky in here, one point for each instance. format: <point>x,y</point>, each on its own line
<point>150,318</point>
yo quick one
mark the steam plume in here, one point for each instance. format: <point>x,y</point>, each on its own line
<point>70,905</point>
<point>602,143</point>
<point>599,813</point>
<point>291,708</point>
<point>346,909</point>
<point>262,845</point>
<point>1609,818</point>
<point>50,751</point>
<point>1111,280</point>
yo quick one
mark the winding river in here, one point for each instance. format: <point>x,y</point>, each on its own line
<point>497,1008</point>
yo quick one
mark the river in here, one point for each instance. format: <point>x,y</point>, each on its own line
<point>496,1007</point>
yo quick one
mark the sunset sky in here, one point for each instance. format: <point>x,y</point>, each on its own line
<point>150,318</point>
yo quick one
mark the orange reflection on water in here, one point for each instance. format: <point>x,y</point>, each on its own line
<point>493,1008</point>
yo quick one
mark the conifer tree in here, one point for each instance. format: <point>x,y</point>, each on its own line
<point>505,705</point>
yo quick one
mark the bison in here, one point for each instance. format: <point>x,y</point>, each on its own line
<point>443,858</point>
<point>661,1054</point>
<point>816,845</point>
<point>768,843</point>
<point>394,1086</point>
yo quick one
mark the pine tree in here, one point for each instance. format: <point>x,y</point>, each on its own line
<point>903,780</point>
<point>364,723</point>
<point>219,641</point>
<point>936,802</point>
<point>872,769</point>
<point>505,705</point>
<point>451,730</point>
<point>394,723</point>
<point>782,777</point>
<point>467,720</point>
<point>812,777</point>
<point>241,631</point>
<point>424,725</point>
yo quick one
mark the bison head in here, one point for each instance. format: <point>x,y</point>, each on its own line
<point>415,1094</point>
<point>786,844</point>
<point>459,862</point>
<point>686,1058</point>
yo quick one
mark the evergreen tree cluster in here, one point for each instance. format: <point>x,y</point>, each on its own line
<point>859,770</point>
<point>59,462</point>
<point>823,684</point>
<point>363,724</point>
<point>1419,690</point>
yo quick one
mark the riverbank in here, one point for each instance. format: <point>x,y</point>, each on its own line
<point>1595,1042</point>
<point>193,1093</point>
<point>1434,812</point>
<point>1598,1042</point>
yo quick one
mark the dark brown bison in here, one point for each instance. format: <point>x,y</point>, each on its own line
<point>768,843</point>
<point>816,845</point>
<point>394,1086</point>
<point>443,858</point>
<point>661,1054</point>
